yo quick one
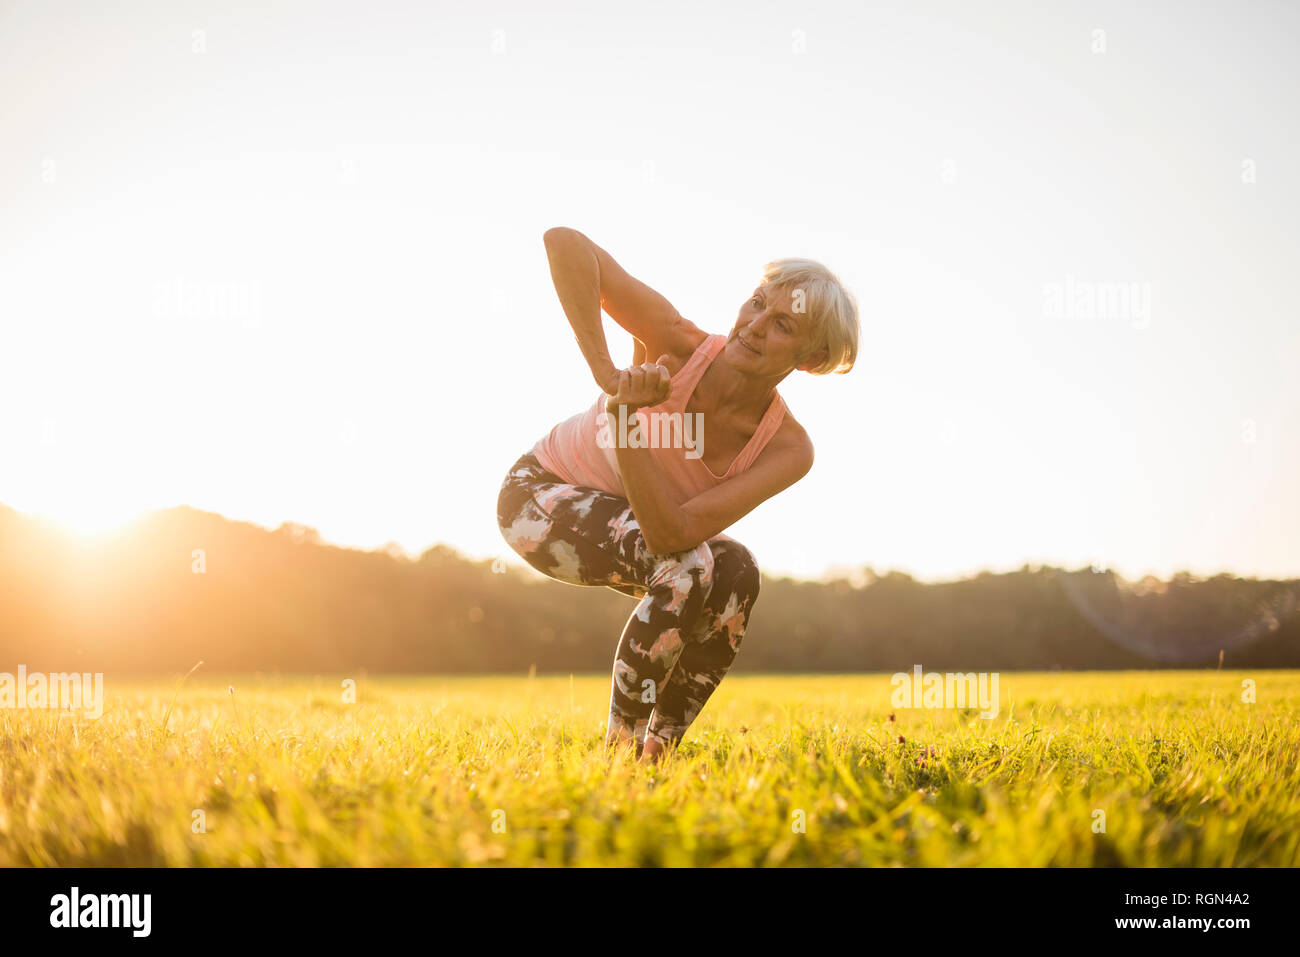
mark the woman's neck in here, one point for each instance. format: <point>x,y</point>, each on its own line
<point>726,390</point>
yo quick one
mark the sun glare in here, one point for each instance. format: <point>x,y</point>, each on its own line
<point>89,520</point>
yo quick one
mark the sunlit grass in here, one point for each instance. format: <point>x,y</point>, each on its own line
<point>419,770</point>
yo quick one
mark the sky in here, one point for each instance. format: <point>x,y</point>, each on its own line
<point>285,262</point>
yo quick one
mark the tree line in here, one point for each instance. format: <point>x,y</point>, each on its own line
<point>181,585</point>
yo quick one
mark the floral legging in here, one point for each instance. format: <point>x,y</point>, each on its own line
<point>693,605</point>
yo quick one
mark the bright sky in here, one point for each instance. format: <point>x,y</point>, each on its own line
<point>285,262</point>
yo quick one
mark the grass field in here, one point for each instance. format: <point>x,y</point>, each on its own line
<point>511,771</point>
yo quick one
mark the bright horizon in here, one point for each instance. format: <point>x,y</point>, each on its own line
<point>286,264</point>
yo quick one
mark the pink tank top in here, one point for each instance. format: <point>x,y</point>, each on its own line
<point>576,451</point>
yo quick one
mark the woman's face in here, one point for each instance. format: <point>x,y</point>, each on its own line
<point>770,337</point>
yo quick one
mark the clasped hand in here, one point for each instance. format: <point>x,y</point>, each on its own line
<point>639,386</point>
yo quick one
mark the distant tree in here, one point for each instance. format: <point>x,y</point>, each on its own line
<point>299,534</point>
<point>285,600</point>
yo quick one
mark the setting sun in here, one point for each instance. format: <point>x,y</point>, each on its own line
<point>89,518</point>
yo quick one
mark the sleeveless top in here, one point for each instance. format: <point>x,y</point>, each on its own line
<point>581,448</point>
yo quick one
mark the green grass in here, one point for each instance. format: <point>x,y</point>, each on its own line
<point>286,774</point>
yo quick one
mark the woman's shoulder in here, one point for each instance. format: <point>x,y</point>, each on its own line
<point>681,342</point>
<point>688,338</point>
<point>790,439</point>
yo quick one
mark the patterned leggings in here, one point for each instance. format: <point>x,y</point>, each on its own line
<point>693,605</point>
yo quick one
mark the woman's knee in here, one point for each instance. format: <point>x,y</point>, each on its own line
<point>525,527</point>
<point>511,498</point>
<point>735,569</point>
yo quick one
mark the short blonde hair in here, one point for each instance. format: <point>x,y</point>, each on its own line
<point>832,308</point>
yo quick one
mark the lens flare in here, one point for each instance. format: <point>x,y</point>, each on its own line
<point>1183,621</point>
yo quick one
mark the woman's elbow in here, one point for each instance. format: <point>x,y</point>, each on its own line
<point>656,545</point>
<point>663,542</point>
<point>557,235</point>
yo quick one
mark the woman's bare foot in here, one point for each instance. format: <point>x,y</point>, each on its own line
<point>652,751</point>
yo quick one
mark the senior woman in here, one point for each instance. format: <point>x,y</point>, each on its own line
<point>635,492</point>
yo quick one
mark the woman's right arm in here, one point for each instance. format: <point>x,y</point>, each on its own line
<point>586,279</point>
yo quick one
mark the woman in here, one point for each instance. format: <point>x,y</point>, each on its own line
<point>638,501</point>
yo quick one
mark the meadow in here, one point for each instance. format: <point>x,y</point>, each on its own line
<point>1077,769</point>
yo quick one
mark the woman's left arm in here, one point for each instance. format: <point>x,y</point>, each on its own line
<point>668,528</point>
